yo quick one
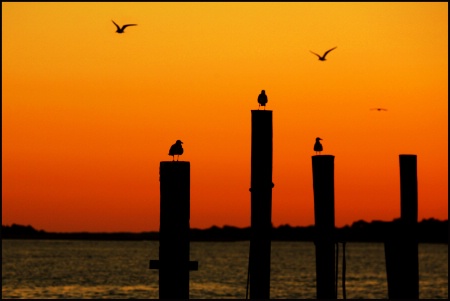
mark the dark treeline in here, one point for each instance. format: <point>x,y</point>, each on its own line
<point>429,231</point>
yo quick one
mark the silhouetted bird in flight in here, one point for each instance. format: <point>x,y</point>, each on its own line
<point>379,109</point>
<point>317,146</point>
<point>322,58</point>
<point>176,149</point>
<point>262,99</point>
<point>121,30</point>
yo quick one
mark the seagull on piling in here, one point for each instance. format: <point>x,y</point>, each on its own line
<point>176,149</point>
<point>379,109</point>
<point>322,58</point>
<point>121,29</point>
<point>317,146</point>
<point>262,99</point>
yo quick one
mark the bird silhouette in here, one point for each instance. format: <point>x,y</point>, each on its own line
<point>379,109</point>
<point>317,146</point>
<point>121,29</point>
<point>176,149</point>
<point>322,58</point>
<point>262,99</point>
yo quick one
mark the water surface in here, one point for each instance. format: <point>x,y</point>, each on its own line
<point>119,269</point>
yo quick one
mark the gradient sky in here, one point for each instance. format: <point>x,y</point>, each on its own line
<point>88,114</point>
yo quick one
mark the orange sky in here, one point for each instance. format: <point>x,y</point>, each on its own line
<point>88,114</point>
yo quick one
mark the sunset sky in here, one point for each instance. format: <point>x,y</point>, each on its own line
<point>89,114</point>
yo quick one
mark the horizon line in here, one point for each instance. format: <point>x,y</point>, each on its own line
<point>215,226</point>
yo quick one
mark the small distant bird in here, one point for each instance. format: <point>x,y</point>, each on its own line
<point>262,99</point>
<point>121,29</point>
<point>322,58</point>
<point>379,109</point>
<point>176,149</point>
<point>317,146</point>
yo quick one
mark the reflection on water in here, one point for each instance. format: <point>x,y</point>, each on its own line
<point>119,269</point>
<point>79,292</point>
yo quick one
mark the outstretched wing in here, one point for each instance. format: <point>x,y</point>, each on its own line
<point>126,25</point>
<point>118,27</point>
<point>315,53</point>
<point>328,51</point>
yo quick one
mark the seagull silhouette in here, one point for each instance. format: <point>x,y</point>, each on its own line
<point>322,58</point>
<point>262,99</point>
<point>176,149</point>
<point>121,30</point>
<point>318,146</point>
<point>379,109</point>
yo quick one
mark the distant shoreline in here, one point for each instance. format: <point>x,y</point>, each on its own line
<point>429,231</point>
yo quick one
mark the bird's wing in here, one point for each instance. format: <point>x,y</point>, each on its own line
<point>328,51</point>
<point>118,27</point>
<point>315,53</point>
<point>123,27</point>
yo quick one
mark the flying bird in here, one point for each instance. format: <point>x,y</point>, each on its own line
<point>176,149</point>
<point>121,29</point>
<point>317,146</point>
<point>322,58</point>
<point>379,109</point>
<point>262,99</point>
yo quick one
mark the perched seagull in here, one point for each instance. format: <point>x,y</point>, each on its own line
<point>262,99</point>
<point>322,58</point>
<point>317,146</point>
<point>379,109</point>
<point>176,149</point>
<point>121,30</point>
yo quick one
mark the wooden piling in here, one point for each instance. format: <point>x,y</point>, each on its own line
<point>323,185</point>
<point>401,245</point>
<point>408,189</point>
<point>173,263</point>
<point>261,204</point>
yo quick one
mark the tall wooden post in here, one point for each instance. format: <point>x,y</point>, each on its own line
<point>401,245</point>
<point>173,263</point>
<point>261,204</point>
<point>323,185</point>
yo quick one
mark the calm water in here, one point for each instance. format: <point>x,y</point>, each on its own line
<point>119,269</point>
